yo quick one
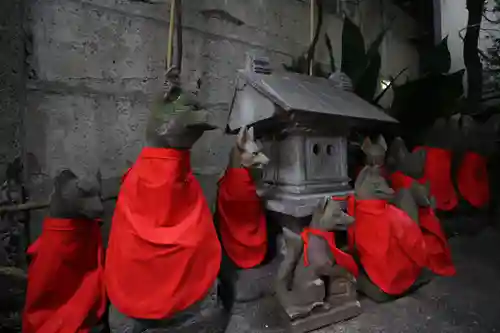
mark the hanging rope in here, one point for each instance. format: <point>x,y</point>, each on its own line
<point>173,65</point>
<point>168,61</point>
<point>311,18</point>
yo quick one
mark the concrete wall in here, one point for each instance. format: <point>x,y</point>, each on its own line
<point>397,52</point>
<point>11,80</point>
<point>97,62</point>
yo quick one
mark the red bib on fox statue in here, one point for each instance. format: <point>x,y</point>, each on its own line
<point>399,180</point>
<point>390,245</point>
<point>438,172</point>
<point>163,253</point>
<point>438,250</point>
<point>473,180</point>
<point>65,278</point>
<point>242,222</point>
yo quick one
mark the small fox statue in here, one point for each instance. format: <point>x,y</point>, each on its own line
<point>393,272</point>
<point>241,221</point>
<point>371,185</point>
<point>314,272</point>
<point>375,152</point>
<point>406,168</point>
<point>246,153</point>
<point>69,248</point>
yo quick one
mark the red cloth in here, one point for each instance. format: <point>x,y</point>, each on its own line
<point>436,244</point>
<point>399,180</point>
<point>438,250</point>
<point>65,292</point>
<point>390,245</point>
<point>241,218</point>
<point>124,176</point>
<point>438,172</point>
<point>473,180</point>
<point>343,259</point>
<point>163,253</point>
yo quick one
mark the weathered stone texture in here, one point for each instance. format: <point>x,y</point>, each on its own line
<point>98,62</point>
<point>11,80</point>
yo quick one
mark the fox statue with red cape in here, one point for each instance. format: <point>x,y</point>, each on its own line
<point>240,218</point>
<point>472,178</point>
<point>388,244</point>
<point>65,292</point>
<point>374,154</point>
<point>163,255</point>
<point>439,145</point>
<point>414,198</point>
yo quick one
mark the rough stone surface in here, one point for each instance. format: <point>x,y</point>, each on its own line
<point>96,64</point>
<point>11,80</point>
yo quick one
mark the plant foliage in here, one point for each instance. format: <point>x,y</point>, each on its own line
<point>417,104</point>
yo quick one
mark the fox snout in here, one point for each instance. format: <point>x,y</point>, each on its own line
<point>260,160</point>
<point>387,190</point>
<point>347,220</point>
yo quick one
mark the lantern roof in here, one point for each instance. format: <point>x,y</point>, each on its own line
<point>296,92</point>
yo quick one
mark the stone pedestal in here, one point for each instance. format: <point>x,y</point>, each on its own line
<point>341,306</point>
<point>323,317</point>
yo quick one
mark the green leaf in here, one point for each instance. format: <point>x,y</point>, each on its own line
<point>329,47</point>
<point>369,80</point>
<point>367,83</point>
<point>353,50</point>
<point>373,50</point>
<point>418,103</point>
<point>437,60</point>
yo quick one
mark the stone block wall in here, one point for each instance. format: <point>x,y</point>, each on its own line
<point>11,80</point>
<point>96,64</point>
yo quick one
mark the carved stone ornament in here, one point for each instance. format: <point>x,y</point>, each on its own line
<point>315,284</point>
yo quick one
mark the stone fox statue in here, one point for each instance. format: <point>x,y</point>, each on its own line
<point>477,146</point>
<point>163,255</point>
<point>314,272</point>
<point>387,242</point>
<point>65,278</point>
<point>405,169</point>
<point>438,146</point>
<point>240,215</point>
<point>374,152</point>
<point>414,198</point>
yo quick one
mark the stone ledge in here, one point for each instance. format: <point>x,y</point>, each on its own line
<point>325,318</point>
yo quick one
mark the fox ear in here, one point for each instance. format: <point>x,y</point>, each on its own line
<point>367,143</point>
<point>381,142</point>
<point>242,137</point>
<point>250,136</point>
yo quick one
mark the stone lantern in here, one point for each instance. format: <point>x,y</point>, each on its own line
<point>303,123</point>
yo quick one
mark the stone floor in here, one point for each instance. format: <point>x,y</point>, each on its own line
<point>468,302</point>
